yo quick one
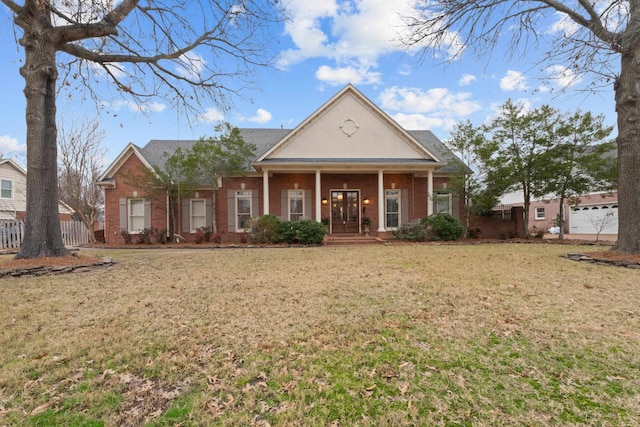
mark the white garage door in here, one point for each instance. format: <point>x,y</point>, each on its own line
<point>594,219</point>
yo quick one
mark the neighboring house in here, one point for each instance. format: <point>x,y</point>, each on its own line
<point>594,214</point>
<point>347,161</point>
<point>13,193</point>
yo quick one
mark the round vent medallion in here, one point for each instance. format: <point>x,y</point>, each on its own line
<point>349,127</point>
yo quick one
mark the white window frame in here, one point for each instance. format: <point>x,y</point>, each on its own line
<point>392,194</point>
<point>130,215</point>
<point>537,211</point>
<point>192,224</point>
<point>242,218</point>
<point>296,195</point>
<point>441,196</point>
<point>10,181</point>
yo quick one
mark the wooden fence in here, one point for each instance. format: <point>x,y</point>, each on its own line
<point>74,233</point>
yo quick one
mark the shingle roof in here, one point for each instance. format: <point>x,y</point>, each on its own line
<point>156,151</point>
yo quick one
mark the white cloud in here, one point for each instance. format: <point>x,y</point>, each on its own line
<point>149,107</point>
<point>262,116</point>
<point>405,70</point>
<point>563,25</point>
<point>563,76</point>
<point>514,80</point>
<point>351,33</point>
<point>211,115</point>
<point>466,79</point>
<point>344,75</point>
<point>420,121</point>
<point>10,145</point>
<point>435,108</point>
<point>190,65</point>
<point>438,100</point>
<point>118,70</point>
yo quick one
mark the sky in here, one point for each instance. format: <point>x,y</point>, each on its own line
<point>322,47</point>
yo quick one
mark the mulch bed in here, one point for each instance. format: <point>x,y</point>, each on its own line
<point>51,265</point>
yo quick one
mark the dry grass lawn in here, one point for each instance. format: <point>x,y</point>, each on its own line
<point>485,334</point>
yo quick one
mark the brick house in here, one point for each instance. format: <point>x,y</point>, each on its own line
<point>347,161</point>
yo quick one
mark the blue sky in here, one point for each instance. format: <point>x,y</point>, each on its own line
<point>323,47</point>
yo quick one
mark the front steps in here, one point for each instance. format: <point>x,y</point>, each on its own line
<point>351,239</point>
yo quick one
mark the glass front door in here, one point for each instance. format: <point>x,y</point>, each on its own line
<point>345,211</point>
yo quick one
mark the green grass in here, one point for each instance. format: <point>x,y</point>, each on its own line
<point>402,335</point>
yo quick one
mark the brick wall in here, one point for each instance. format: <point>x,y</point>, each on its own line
<point>366,183</point>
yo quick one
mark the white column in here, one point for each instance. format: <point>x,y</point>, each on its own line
<point>430,193</point>
<point>380,201</point>
<point>318,197</point>
<point>265,191</point>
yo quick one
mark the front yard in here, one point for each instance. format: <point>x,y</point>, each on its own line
<point>479,334</point>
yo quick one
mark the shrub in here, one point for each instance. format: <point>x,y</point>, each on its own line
<point>311,232</point>
<point>126,236</point>
<point>217,238</point>
<point>144,237</point>
<point>414,233</point>
<point>263,229</point>
<point>474,233</point>
<point>443,227</point>
<point>305,232</point>
<point>160,235</point>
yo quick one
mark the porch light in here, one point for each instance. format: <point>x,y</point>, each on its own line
<point>324,201</point>
<point>366,200</point>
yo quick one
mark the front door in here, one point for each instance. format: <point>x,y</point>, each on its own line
<point>345,211</point>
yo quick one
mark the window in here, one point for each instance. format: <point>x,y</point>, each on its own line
<point>6,189</point>
<point>136,215</point>
<point>392,206</point>
<point>539,213</point>
<point>243,209</point>
<point>296,205</point>
<point>198,214</point>
<point>443,203</point>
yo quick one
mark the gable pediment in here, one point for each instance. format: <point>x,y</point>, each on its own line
<point>349,126</point>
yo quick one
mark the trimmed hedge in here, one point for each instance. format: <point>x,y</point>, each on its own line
<point>267,229</point>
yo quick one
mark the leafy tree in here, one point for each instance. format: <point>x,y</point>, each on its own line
<point>80,158</point>
<point>579,162</point>
<point>175,178</point>
<point>469,176</point>
<point>521,159</point>
<point>187,51</point>
<point>222,156</point>
<point>595,31</point>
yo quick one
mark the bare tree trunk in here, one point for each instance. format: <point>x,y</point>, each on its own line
<point>43,237</point>
<point>627,89</point>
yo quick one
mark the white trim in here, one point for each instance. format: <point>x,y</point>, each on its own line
<point>443,195</point>
<point>350,89</point>
<point>265,191</point>
<point>381,201</point>
<point>14,164</point>
<point>399,212</point>
<point>301,197</point>
<point>129,216</point>
<point>318,197</point>
<point>204,205</point>
<point>12,189</point>
<point>430,193</point>
<point>237,213</point>
<point>535,213</point>
<point>129,150</point>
